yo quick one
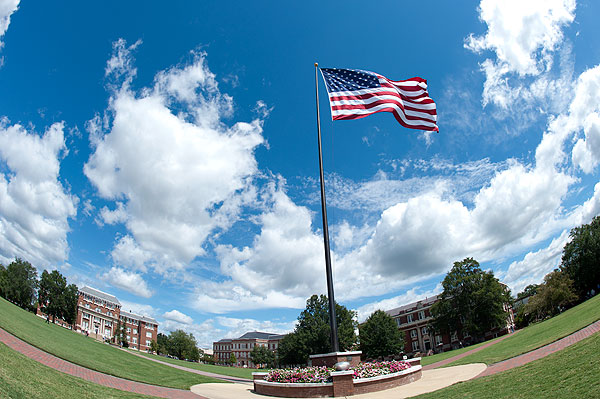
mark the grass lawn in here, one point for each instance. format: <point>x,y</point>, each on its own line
<point>438,357</point>
<point>537,335</point>
<point>571,373</point>
<point>223,370</point>
<point>21,377</point>
<point>89,353</point>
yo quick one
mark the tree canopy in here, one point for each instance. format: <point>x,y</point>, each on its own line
<point>312,333</point>
<point>379,336</point>
<point>472,301</point>
<point>183,345</point>
<point>261,355</point>
<point>552,297</point>
<point>581,258</point>
<point>55,298</point>
<point>19,283</point>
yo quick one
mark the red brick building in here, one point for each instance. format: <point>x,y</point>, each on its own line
<point>99,313</point>
<point>242,346</point>
<point>413,320</point>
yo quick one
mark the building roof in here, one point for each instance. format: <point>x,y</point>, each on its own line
<point>413,306</point>
<point>101,295</point>
<point>134,316</point>
<point>256,335</point>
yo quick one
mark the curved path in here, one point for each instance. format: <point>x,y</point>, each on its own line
<point>543,351</point>
<point>467,353</point>
<point>90,375</point>
<point>227,378</point>
<point>146,389</point>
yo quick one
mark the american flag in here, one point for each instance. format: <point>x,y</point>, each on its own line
<point>355,94</point>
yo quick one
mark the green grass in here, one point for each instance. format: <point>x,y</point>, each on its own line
<point>538,335</point>
<point>21,377</point>
<point>573,372</point>
<point>438,357</point>
<point>89,353</point>
<point>229,371</point>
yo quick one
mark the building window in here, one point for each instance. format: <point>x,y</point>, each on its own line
<point>413,333</point>
<point>438,339</point>
<point>86,316</point>
<point>424,331</point>
<point>415,346</point>
<point>398,322</point>
<point>87,305</point>
<point>134,340</point>
<point>409,318</point>
<point>128,338</point>
<point>148,343</point>
<point>421,315</point>
<point>148,334</point>
<point>135,330</point>
<point>128,329</point>
<point>454,336</point>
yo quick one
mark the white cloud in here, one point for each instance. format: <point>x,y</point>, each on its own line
<point>128,281</point>
<point>523,36</point>
<point>176,176</point>
<point>128,254</point>
<point>138,308</point>
<point>34,205</point>
<point>176,315</point>
<point>238,327</point>
<point>7,8</point>
<point>535,265</point>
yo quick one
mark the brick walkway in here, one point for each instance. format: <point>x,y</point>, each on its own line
<point>450,360</point>
<point>543,351</point>
<point>90,375</point>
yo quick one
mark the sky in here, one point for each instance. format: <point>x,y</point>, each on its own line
<point>167,153</point>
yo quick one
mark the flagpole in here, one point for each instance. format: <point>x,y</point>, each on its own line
<point>332,318</point>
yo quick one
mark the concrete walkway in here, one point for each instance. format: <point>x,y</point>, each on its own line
<point>432,380</point>
<point>90,375</point>
<point>237,380</point>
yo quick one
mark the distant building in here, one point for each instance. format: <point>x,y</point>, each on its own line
<point>242,346</point>
<point>414,319</point>
<point>99,313</point>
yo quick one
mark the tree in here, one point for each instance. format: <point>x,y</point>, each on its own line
<point>553,296</point>
<point>20,284</point>
<point>530,290</point>
<point>312,333</point>
<point>163,344</point>
<point>581,256</point>
<point>232,359</point>
<point>261,355</point>
<point>69,311</point>
<point>472,301</point>
<point>182,345</point>
<point>55,298</point>
<point>379,336</point>
<point>154,346</point>
<point>3,278</point>
<point>120,336</point>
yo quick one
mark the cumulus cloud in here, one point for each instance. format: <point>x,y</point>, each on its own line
<point>175,170</point>
<point>128,281</point>
<point>523,36</point>
<point>535,265</point>
<point>7,8</point>
<point>237,327</point>
<point>176,315</point>
<point>35,207</point>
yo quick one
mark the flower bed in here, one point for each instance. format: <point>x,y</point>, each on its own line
<point>323,374</point>
<point>320,381</point>
<point>300,375</point>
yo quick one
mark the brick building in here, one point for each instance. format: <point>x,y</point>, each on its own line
<point>413,320</point>
<point>99,313</point>
<point>242,346</point>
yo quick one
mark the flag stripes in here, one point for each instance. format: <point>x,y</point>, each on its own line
<point>355,94</point>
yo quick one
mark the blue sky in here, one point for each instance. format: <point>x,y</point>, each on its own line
<point>167,153</point>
